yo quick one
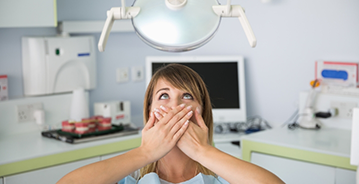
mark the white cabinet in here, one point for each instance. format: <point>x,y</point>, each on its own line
<point>25,13</point>
<point>299,172</point>
<point>47,175</point>
<point>229,148</point>
<point>293,171</point>
<point>344,176</point>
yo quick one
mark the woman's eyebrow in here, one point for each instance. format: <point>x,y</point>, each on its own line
<point>166,89</point>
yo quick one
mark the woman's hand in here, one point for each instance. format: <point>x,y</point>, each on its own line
<point>158,139</point>
<point>195,138</point>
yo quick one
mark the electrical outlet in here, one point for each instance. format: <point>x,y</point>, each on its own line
<point>345,109</point>
<point>25,113</point>
<point>122,75</point>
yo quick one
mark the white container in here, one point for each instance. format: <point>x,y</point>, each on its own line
<point>79,105</point>
<point>58,64</point>
<point>119,111</point>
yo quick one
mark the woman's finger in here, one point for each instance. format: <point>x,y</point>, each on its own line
<point>150,122</point>
<point>173,114</point>
<point>164,108</point>
<point>158,115</point>
<point>177,135</point>
<point>184,114</point>
<point>199,118</point>
<point>178,125</point>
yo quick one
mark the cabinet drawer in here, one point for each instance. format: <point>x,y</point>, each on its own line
<point>344,176</point>
<point>294,171</point>
<point>48,175</point>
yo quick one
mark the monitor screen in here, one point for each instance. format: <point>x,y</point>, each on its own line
<point>221,79</point>
<point>224,78</point>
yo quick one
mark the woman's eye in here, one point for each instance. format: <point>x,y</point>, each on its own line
<point>187,96</point>
<point>164,96</point>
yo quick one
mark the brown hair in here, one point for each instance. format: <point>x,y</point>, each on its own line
<point>184,78</point>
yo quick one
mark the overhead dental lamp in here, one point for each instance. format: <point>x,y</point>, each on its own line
<point>175,25</point>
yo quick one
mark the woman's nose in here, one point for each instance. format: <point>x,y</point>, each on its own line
<point>175,102</point>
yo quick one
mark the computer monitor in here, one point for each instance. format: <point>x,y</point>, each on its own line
<point>224,78</point>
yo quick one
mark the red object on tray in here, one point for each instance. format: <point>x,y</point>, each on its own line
<point>92,124</point>
<point>97,117</point>
<point>104,124</point>
<point>68,126</point>
<point>81,127</point>
<point>87,125</point>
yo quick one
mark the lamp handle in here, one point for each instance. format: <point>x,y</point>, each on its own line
<point>237,11</point>
<point>116,13</point>
<point>247,28</point>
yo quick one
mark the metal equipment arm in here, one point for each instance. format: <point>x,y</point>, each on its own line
<point>237,11</point>
<point>116,13</point>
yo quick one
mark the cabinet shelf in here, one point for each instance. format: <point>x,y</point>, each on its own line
<point>25,13</point>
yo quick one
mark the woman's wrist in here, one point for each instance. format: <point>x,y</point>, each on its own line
<point>202,152</point>
<point>145,154</point>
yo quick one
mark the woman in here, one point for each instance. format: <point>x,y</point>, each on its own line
<point>176,142</point>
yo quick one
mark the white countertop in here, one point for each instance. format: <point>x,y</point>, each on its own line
<point>330,141</point>
<point>31,145</point>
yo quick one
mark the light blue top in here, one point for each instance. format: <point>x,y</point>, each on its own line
<point>152,178</point>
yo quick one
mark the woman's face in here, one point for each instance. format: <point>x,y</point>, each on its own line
<point>167,95</point>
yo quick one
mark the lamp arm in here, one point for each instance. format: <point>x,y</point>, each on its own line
<point>237,11</point>
<point>247,27</point>
<point>115,13</point>
<point>106,31</point>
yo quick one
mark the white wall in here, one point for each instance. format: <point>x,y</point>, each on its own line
<point>291,36</point>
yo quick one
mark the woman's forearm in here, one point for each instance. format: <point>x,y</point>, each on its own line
<point>233,169</point>
<point>110,170</point>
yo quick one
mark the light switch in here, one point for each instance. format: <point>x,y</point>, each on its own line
<point>137,73</point>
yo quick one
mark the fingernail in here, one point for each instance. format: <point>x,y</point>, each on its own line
<point>189,107</point>
<point>162,107</point>
<point>186,122</point>
<point>151,114</point>
<point>182,105</point>
<point>190,113</point>
<point>157,110</point>
<point>157,115</point>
